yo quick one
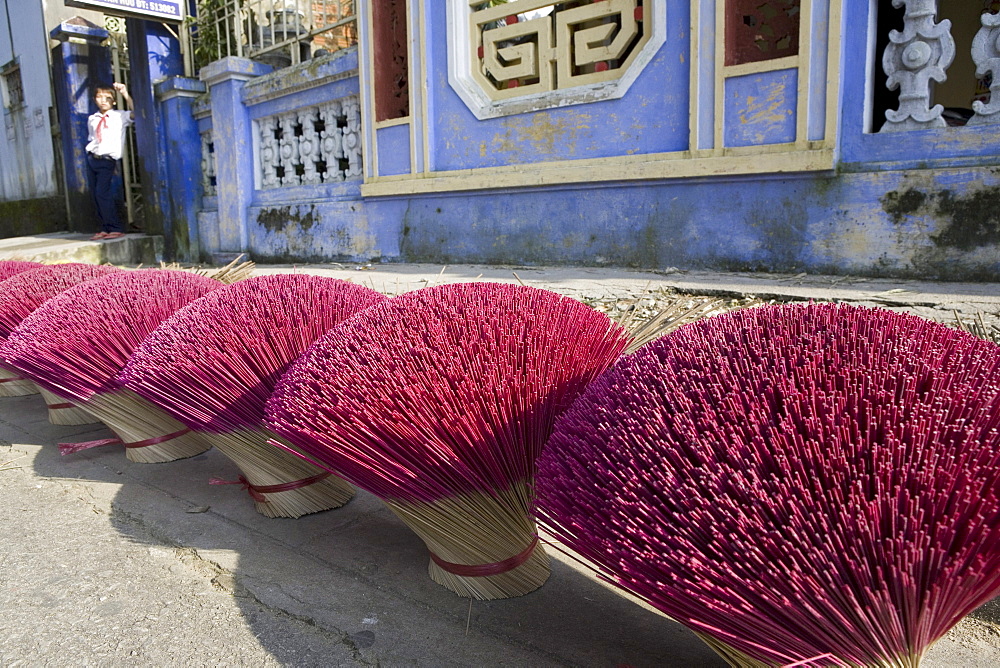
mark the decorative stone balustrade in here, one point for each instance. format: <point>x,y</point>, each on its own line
<point>310,146</point>
<point>922,53</point>
<point>208,182</point>
<point>986,54</point>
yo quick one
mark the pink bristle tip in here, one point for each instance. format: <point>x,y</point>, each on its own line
<point>27,290</point>
<point>792,481</point>
<point>10,268</point>
<point>76,343</point>
<point>214,363</point>
<point>443,390</point>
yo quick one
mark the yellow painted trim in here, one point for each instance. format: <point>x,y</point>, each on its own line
<point>412,46</point>
<point>391,122</point>
<point>833,73</point>
<point>804,83</point>
<point>763,150</point>
<point>371,161</point>
<point>720,75</point>
<point>694,85</point>
<point>663,166</point>
<point>424,125</point>
<point>786,63</point>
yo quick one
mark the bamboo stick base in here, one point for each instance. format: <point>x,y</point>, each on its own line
<point>479,530</point>
<point>732,656</point>
<point>73,415</point>
<point>134,420</point>
<point>15,388</point>
<point>519,581</point>
<point>264,465</point>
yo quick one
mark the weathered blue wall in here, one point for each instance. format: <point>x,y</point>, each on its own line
<point>154,55</point>
<point>883,224</point>
<point>652,117</point>
<point>908,204</point>
<point>293,222</point>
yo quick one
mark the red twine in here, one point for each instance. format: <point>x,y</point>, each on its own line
<point>485,570</point>
<point>258,491</point>
<point>11,380</point>
<point>58,406</point>
<point>158,439</point>
<point>69,448</point>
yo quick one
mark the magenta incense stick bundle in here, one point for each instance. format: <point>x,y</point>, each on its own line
<point>24,292</point>
<point>438,402</point>
<point>214,363</point>
<point>10,268</point>
<point>77,343</point>
<point>13,384</point>
<point>795,482</point>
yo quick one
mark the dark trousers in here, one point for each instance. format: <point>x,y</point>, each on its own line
<point>101,180</point>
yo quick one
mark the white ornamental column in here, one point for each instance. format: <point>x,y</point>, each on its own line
<point>986,54</point>
<point>915,57</point>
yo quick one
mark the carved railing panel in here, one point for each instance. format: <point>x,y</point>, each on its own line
<point>986,55</point>
<point>914,58</point>
<point>208,180</point>
<point>310,146</point>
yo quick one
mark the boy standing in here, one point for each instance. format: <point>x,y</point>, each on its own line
<point>105,139</point>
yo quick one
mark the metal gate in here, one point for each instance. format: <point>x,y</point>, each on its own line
<point>118,44</point>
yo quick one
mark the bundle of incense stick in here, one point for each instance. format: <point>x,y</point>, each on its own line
<point>438,402</point>
<point>676,313</point>
<point>10,268</point>
<point>77,343</point>
<point>800,485</point>
<point>235,271</point>
<point>13,384</point>
<point>25,292</point>
<point>214,363</point>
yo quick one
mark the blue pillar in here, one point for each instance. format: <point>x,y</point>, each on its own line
<point>176,97</point>
<point>232,135</point>
<point>154,55</point>
<point>79,64</point>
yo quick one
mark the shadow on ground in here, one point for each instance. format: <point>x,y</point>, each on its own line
<point>356,575</point>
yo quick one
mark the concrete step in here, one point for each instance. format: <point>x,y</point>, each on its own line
<point>130,250</point>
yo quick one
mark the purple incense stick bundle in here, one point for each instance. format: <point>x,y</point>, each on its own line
<point>214,363</point>
<point>438,401</point>
<point>13,384</point>
<point>25,292</point>
<point>77,343</point>
<point>793,483</point>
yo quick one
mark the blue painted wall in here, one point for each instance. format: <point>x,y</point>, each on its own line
<point>913,223</point>
<point>913,204</point>
<point>652,117</point>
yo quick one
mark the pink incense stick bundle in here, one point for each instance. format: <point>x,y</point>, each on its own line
<point>23,293</point>
<point>438,401</point>
<point>801,485</point>
<point>13,384</point>
<point>214,363</point>
<point>10,268</point>
<point>77,343</point>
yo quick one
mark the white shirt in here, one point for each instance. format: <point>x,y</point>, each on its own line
<point>112,135</point>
